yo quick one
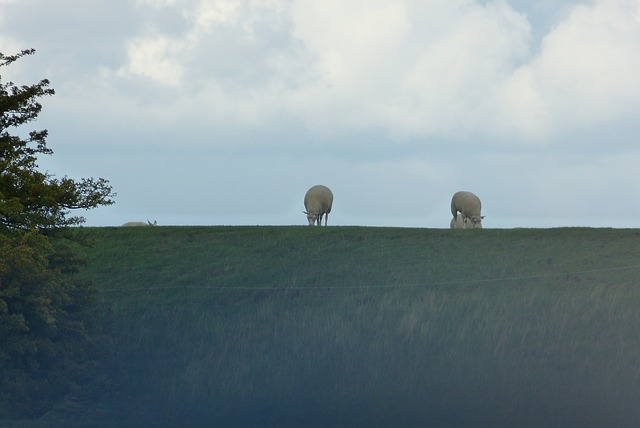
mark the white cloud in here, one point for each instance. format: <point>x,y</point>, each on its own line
<point>207,15</point>
<point>585,75</point>
<point>441,70</point>
<point>157,3</point>
<point>217,42</point>
<point>447,70</point>
<point>408,68</point>
<point>155,58</point>
<point>351,40</point>
<point>8,45</point>
<point>461,70</point>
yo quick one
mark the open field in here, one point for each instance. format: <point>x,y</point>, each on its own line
<point>349,326</point>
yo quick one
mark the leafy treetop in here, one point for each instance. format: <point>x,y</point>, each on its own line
<point>30,198</point>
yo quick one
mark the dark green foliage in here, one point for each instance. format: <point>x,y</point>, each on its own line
<point>46,315</point>
<point>30,198</point>
<point>347,326</point>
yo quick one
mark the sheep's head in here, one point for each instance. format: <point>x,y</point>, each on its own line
<point>474,222</point>
<point>313,218</point>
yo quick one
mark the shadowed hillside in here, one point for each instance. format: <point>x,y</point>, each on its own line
<point>349,326</point>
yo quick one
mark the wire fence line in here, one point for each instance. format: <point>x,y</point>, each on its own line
<point>374,286</point>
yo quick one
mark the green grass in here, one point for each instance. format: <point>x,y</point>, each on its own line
<point>350,326</point>
<point>301,257</point>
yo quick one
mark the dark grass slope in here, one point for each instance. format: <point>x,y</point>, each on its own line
<point>296,257</point>
<point>350,326</point>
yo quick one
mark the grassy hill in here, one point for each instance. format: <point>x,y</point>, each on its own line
<point>354,326</point>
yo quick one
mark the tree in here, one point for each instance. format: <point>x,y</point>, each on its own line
<point>45,312</point>
<point>30,198</point>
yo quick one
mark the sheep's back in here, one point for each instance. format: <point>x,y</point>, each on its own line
<point>466,203</point>
<point>318,199</point>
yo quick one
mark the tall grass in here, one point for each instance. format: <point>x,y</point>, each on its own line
<point>372,327</point>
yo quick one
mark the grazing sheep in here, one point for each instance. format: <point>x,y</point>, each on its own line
<point>318,201</point>
<point>469,205</point>
<point>458,223</point>
<point>139,223</point>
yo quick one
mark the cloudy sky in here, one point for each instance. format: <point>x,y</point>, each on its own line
<point>226,111</point>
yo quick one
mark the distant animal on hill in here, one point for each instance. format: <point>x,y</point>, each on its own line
<point>139,223</point>
<point>457,223</point>
<point>469,206</point>
<point>317,202</point>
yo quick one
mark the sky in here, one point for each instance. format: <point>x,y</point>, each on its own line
<point>224,112</point>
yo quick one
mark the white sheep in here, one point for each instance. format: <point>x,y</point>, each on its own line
<point>457,223</point>
<point>140,223</point>
<point>469,205</point>
<point>318,201</point>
